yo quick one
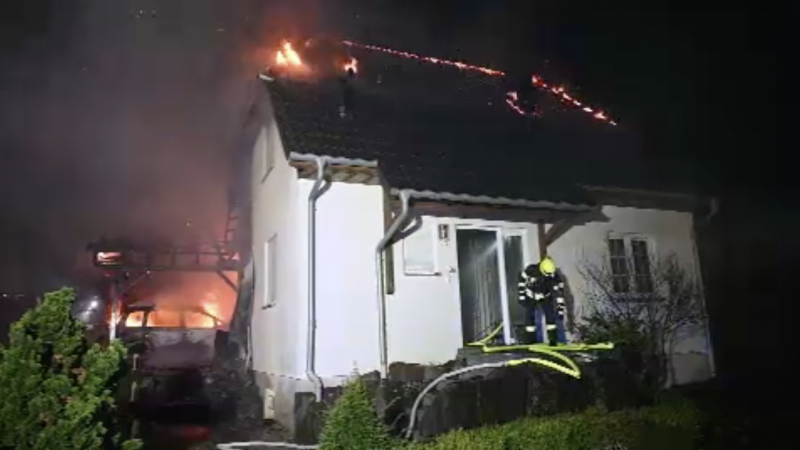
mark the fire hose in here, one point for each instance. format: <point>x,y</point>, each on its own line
<point>568,368</point>
<point>572,370</point>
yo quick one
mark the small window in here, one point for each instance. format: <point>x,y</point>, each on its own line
<point>135,319</point>
<point>631,270</point>
<point>419,252</point>
<point>270,271</point>
<point>620,273</point>
<point>643,278</point>
<point>161,318</point>
<point>269,156</point>
<point>266,149</point>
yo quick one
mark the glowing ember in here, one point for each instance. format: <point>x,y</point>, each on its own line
<point>166,318</point>
<point>108,258</point>
<point>182,300</point>
<point>352,64</point>
<point>444,62</point>
<point>511,99</point>
<point>287,56</point>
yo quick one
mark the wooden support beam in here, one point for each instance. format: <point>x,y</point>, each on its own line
<point>542,239</point>
<point>339,173</point>
<point>562,226</point>
<point>557,230</point>
<point>486,212</point>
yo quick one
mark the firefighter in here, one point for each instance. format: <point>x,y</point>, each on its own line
<point>541,292</point>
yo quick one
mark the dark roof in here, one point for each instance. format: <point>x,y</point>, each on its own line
<point>440,129</point>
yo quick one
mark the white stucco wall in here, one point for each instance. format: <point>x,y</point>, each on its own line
<point>277,340</point>
<point>669,232</point>
<point>349,227</point>
<point>424,315</point>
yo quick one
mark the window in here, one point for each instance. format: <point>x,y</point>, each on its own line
<point>643,278</point>
<point>270,272</point>
<point>163,318</point>
<point>419,251</point>
<point>135,319</point>
<point>265,147</point>
<point>630,265</point>
<point>620,274</point>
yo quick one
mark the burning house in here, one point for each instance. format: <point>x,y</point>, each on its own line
<point>393,199</point>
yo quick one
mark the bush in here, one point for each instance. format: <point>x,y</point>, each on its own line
<point>55,388</point>
<point>673,426</point>
<point>634,349</point>
<point>351,424</point>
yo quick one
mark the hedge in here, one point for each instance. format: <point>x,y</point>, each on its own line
<point>669,426</point>
<point>352,424</point>
<point>673,424</point>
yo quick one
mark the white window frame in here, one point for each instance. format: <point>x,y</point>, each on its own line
<point>501,231</point>
<point>627,239</point>
<point>268,152</point>
<point>431,227</point>
<point>269,296</point>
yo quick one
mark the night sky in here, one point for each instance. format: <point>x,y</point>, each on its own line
<point>117,117</point>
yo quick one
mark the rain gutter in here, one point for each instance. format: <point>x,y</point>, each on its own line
<point>332,160</point>
<point>713,210</point>
<point>394,228</point>
<point>317,190</point>
<point>311,341</point>
<point>497,201</point>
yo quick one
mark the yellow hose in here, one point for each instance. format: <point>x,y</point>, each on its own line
<point>569,367</point>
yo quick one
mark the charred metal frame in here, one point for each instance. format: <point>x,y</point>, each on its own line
<point>126,257</point>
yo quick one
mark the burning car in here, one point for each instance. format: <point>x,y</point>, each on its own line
<point>170,337</point>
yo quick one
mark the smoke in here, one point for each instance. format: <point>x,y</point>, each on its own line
<point>118,119</point>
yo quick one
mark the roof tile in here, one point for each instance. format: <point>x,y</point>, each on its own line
<point>439,129</point>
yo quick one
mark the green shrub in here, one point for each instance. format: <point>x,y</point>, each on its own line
<point>55,388</point>
<point>673,426</point>
<point>351,424</point>
<point>636,347</point>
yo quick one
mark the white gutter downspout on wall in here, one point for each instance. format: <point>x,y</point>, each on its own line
<point>311,340</point>
<point>707,326</point>
<point>396,225</point>
<point>319,188</point>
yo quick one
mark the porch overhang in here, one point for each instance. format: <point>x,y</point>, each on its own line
<point>446,204</point>
<point>646,199</point>
<point>338,169</point>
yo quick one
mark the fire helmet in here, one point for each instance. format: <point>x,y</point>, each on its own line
<point>547,266</point>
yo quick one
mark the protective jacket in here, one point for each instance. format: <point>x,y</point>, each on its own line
<point>541,293</point>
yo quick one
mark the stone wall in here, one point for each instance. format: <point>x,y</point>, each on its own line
<point>490,396</point>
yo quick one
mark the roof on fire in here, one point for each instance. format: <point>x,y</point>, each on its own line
<point>439,129</point>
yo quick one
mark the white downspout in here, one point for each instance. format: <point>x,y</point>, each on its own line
<point>398,222</point>
<point>706,326</point>
<point>311,340</point>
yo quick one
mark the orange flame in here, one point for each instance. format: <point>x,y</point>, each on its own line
<point>352,64</point>
<point>559,91</point>
<point>177,319</point>
<point>183,300</point>
<point>287,56</point>
<point>135,319</point>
